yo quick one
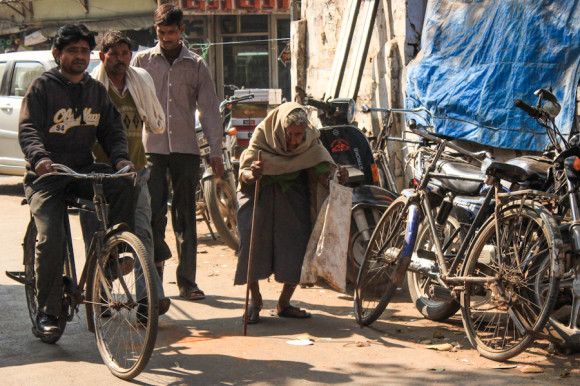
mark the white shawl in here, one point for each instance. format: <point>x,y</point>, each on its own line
<point>142,89</point>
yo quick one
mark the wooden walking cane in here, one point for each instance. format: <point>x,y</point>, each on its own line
<point>251,252</point>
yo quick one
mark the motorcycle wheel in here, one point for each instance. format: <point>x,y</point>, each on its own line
<point>358,244</point>
<point>222,205</point>
<point>418,284</point>
<point>564,322</point>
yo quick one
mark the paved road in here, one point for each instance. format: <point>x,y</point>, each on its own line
<point>201,343</point>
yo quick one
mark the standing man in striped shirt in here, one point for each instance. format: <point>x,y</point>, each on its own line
<point>183,84</point>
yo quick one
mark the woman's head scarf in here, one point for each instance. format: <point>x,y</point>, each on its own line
<point>270,138</point>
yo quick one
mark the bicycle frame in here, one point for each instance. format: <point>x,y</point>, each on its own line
<point>420,207</point>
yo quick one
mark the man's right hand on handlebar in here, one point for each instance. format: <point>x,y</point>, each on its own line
<point>44,166</point>
<point>121,164</point>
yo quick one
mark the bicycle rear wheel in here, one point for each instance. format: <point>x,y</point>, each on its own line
<point>123,303</point>
<point>502,318</point>
<point>29,246</point>
<point>382,269</point>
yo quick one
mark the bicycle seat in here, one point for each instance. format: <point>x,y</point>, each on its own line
<point>460,170</point>
<point>508,172</point>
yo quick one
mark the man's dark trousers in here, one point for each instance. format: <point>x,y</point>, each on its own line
<point>47,205</point>
<point>183,170</point>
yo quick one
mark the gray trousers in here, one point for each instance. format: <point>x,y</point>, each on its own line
<point>183,170</point>
<point>89,225</point>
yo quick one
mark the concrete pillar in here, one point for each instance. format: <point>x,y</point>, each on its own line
<point>299,60</point>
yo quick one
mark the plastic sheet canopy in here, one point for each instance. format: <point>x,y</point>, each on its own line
<point>478,56</point>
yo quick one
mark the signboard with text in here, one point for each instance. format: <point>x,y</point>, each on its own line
<point>235,6</point>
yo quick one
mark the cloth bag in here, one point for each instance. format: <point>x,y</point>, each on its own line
<point>327,250</point>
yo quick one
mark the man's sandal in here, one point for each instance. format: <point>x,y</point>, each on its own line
<point>191,293</point>
<point>294,312</point>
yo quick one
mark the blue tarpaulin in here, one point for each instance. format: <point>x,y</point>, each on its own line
<point>478,56</point>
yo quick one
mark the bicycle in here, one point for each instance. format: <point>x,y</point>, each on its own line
<point>116,285</point>
<point>493,272</point>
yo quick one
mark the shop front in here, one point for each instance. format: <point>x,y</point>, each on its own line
<point>245,42</point>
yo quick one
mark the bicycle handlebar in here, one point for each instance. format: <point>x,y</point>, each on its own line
<point>473,155</point>
<point>63,170</point>
<point>240,98</point>
<point>234,100</point>
<point>367,109</point>
<point>423,133</point>
<point>320,105</point>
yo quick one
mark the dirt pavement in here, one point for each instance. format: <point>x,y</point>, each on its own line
<point>202,342</point>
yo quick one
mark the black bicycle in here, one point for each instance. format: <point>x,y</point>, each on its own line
<point>116,285</point>
<point>512,244</point>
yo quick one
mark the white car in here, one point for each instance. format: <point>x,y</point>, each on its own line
<point>17,71</point>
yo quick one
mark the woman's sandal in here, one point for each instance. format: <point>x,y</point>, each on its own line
<point>294,312</point>
<point>254,314</point>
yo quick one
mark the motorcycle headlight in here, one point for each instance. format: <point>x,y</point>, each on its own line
<point>351,111</point>
<point>344,109</point>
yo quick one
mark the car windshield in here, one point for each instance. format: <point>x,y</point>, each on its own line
<point>92,64</point>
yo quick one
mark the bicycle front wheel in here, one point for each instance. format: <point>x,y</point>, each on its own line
<point>382,269</point>
<point>123,304</point>
<point>501,318</point>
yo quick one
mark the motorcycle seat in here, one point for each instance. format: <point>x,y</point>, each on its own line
<point>508,172</point>
<point>536,168</point>
<point>461,170</point>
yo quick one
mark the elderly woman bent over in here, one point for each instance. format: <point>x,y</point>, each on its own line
<point>294,171</point>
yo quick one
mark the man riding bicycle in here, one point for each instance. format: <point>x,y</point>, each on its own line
<point>63,113</point>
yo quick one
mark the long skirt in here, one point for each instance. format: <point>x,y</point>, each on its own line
<point>282,231</point>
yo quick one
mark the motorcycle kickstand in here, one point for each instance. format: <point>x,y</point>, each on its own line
<point>206,219</point>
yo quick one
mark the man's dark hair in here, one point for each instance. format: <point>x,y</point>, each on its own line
<point>112,38</point>
<point>168,14</point>
<point>72,33</point>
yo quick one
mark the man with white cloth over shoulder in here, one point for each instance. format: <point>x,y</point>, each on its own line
<point>133,92</point>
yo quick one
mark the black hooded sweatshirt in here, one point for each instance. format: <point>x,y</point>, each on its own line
<point>61,120</point>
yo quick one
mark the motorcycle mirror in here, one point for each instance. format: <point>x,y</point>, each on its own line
<point>551,108</point>
<point>547,95</point>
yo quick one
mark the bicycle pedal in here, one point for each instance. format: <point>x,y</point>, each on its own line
<point>18,276</point>
<point>440,293</point>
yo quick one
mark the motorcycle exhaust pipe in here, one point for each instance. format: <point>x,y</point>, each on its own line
<point>362,225</point>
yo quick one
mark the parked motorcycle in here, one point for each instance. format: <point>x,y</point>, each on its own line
<point>220,193</point>
<point>558,173</point>
<point>349,147</point>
